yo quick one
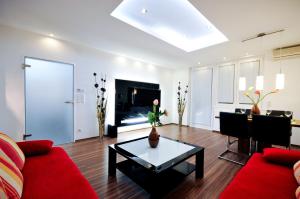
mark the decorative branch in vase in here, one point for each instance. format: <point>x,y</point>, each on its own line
<point>181,103</point>
<point>256,98</point>
<point>101,104</point>
<point>153,118</point>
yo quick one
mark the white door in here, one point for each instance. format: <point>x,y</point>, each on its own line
<point>201,98</point>
<point>49,100</point>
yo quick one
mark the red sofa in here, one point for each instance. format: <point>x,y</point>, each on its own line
<point>50,173</point>
<point>265,176</point>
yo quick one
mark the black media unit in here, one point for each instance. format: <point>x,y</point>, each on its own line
<point>133,101</point>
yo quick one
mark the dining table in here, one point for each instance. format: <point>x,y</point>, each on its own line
<point>243,143</point>
<point>294,122</point>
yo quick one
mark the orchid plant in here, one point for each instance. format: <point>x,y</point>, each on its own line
<point>258,96</point>
<point>153,116</point>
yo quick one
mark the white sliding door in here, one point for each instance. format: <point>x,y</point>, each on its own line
<point>201,98</point>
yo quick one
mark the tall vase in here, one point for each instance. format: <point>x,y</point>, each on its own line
<point>101,131</point>
<point>101,124</point>
<point>180,119</point>
<point>255,110</point>
<point>153,138</point>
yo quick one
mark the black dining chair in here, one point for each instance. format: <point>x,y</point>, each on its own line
<point>279,113</point>
<point>238,110</point>
<point>271,130</point>
<point>233,125</point>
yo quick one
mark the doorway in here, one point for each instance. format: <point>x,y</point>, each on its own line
<point>49,106</point>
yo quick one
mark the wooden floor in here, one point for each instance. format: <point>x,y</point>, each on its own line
<point>91,156</point>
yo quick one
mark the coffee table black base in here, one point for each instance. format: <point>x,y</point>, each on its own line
<point>157,185</point>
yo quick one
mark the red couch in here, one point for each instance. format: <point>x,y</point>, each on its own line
<point>262,178</point>
<point>50,173</point>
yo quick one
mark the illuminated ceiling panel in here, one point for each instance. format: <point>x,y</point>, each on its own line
<point>176,22</point>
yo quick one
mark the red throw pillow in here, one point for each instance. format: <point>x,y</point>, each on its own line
<point>35,147</point>
<point>3,194</point>
<point>11,177</point>
<point>296,168</point>
<point>281,156</point>
<point>298,193</point>
<point>11,149</point>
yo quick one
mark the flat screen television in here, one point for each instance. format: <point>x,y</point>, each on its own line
<point>133,102</point>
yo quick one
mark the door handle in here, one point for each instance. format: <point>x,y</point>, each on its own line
<point>26,135</point>
<point>69,102</point>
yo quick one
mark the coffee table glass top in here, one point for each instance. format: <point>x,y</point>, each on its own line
<point>166,150</point>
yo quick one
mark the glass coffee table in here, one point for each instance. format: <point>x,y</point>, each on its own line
<point>158,170</point>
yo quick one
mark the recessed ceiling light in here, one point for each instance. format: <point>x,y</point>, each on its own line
<point>144,11</point>
<point>189,30</point>
<point>247,55</point>
<point>224,58</point>
<point>51,35</point>
<point>121,59</point>
<point>199,63</point>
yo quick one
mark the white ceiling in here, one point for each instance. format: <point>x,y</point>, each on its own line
<point>89,22</point>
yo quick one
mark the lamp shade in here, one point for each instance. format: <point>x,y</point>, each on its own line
<point>280,81</point>
<point>260,83</point>
<point>242,83</point>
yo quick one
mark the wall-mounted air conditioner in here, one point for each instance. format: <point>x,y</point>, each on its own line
<point>287,51</point>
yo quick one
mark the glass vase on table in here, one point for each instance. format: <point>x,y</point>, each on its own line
<point>288,113</point>
<point>268,112</point>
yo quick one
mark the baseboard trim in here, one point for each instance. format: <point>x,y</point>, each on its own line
<point>177,124</point>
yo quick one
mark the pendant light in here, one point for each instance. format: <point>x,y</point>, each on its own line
<point>280,78</point>
<point>259,85</point>
<point>242,83</point>
<point>280,81</point>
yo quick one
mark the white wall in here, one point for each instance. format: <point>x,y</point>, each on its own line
<point>15,44</point>
<point>287,99</point>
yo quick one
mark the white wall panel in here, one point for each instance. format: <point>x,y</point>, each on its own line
<point>201,97</point>
<point>249,70</point>
<point>226,84</point>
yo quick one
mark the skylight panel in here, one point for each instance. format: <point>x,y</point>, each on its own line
<point>176,22</point>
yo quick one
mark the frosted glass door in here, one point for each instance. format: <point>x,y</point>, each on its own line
<point>201,97</point>
<point>49,100</point>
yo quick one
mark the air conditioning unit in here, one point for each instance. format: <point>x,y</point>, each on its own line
<point>287,51</point>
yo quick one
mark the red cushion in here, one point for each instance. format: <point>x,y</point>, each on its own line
<point>12,150</point>
<point>54,175</point>
<point>11,177</point>
<point>3,194</point>
<point>35,147</point>
<point>261,179</point>
<point>281,156</point>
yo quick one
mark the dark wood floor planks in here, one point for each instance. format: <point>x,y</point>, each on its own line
<point>91,156</point>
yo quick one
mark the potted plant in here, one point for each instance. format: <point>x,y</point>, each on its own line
<point>101,104</point>
<point>153,118</point>
<point>256,98</point>
<point>181,102</point>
